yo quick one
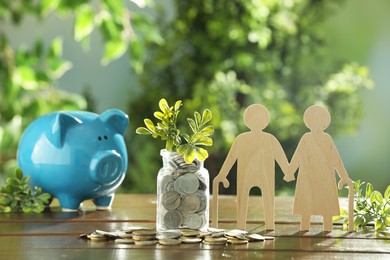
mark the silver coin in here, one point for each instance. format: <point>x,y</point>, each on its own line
<point>189,204</point>
<point>176,187</point>
<point>166,179</point>
<point>193,221</point>
<point>171,200</point>
<point>202,181</point>
<point>203,201</point>
<point>173,219</point>
<point>188,183</point>
<point>168,234</point>
<point>169,186</point>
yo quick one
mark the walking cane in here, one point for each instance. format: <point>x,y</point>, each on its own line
<point>214,204</point>
<point>350,206</point>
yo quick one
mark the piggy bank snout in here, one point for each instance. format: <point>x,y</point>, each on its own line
<point>106,167</point>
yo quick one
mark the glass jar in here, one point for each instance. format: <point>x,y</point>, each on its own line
<point>182,194</point>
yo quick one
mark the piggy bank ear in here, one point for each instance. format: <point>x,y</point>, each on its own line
<point>61,125</point>
<point>116,118</point>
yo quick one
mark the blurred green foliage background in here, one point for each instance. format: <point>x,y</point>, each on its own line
<point>221,55</point>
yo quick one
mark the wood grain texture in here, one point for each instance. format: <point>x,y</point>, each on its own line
<point>255,152</point>
<point>55,235</point>
<point>317,160</point>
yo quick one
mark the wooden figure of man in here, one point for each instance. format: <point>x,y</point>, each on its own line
<point>317,159</point>
<point>255,152</point>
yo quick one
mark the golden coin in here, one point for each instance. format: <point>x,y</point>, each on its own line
<point>190,240</point>
<point>124,241</point>
<point>169,242</point>
<point>144,232</point>
<point>189,233</point>
<point>236,241</point>
<point>145,242</point>
<point>215,240</point>
<point>144,238</point>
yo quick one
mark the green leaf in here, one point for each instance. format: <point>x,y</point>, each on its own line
<point>25,77</point>
<point>163,105</point>
<point>387,221</point>
<point>114,48</point>
<point>192,124</point>
<point>44,197</point>
<point>387,193</point>
<point>201,153</point>
<point>207,115</point>
<point>198,119</point>
<point>378,225</point>
<point>18,174</point>
<point>209,130</point>
<point>143,131</point>
<point>376,196</point>
<point>200,139</point>
<point>369,190</point>
<point>178,104</point>
<point>56,48</point>
<point>158,115</point>
<point>190,154</point>
<point>84,22</point>
<point>114,7</point>
<point>181,149</point>
<point>137,54</point>
<point>149,124</point>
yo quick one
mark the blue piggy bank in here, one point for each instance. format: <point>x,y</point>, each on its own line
<point>76,156</point>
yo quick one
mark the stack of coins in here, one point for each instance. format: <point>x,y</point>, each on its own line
<point>183,196</point>
<point>144,236</point>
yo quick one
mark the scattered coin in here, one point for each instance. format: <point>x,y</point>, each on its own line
<point>255,237</point>
<point>168,234</point>
<point>124,241</point>
<point>169,241</point>
<point>144,232</point>
<point>189,232</point>
<point>97,237</point>
<point>145,242</point>
<point>191,240</point>
<point>236,241</point>
<point>215,240</point>
<point>146,236</point>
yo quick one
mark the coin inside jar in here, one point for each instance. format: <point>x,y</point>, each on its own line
<point>173,219</point>
<point>171,200</point>
<point>194,221</point>
<point>188,183</point>
<point>190,204</point>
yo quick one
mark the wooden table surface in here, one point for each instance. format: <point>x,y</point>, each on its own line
<point>55,234</point>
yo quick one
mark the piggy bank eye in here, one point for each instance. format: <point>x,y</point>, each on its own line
<point>105,137</point>
<point>99,138</point>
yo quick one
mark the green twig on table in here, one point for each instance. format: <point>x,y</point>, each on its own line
<point>18,196</point>
<point>370,207</point>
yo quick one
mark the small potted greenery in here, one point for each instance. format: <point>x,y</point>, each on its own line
<point>189,146</point>
<point>182,182</point>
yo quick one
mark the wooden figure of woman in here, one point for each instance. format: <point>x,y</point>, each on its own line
<point>317,159</point>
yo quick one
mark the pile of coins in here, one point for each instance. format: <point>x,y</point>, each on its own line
<point>144,236</point>
<point>182,196</point>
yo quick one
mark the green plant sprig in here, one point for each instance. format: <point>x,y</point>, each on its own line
<point>184,144</point>
<point>370,207</point>
<point>18,196</point>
